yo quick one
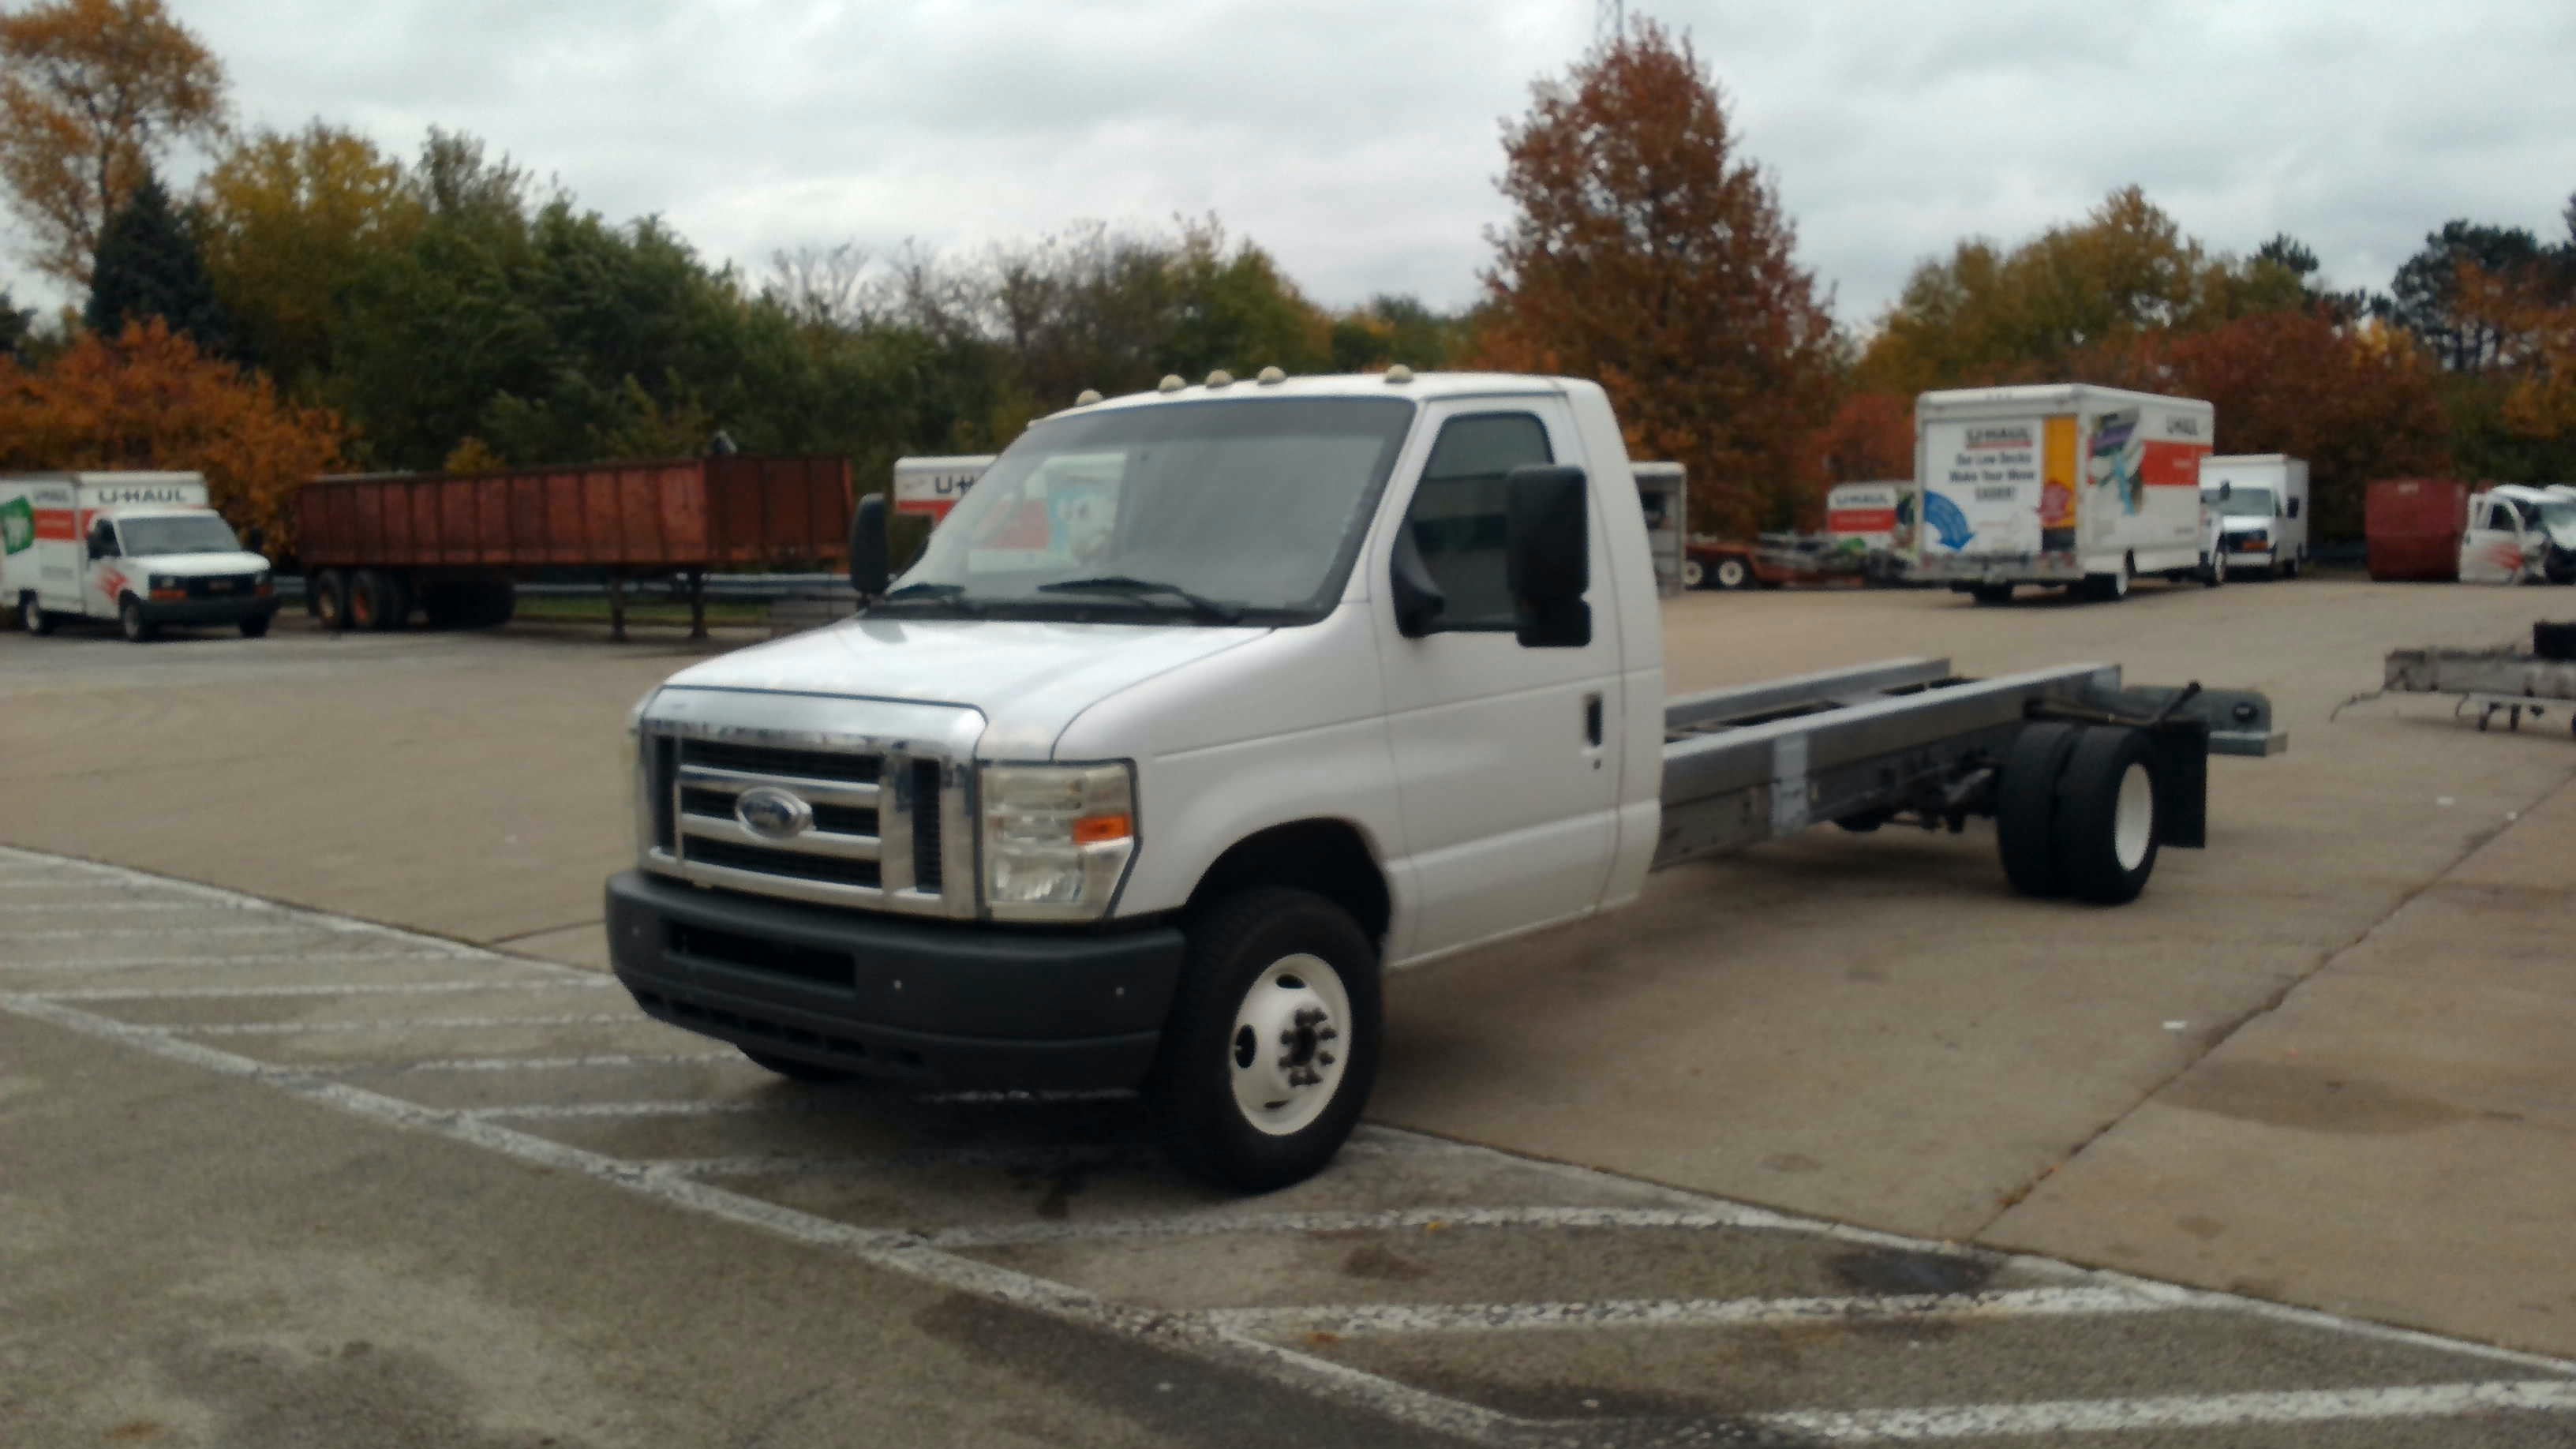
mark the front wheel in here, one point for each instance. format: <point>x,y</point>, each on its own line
<point>1273,1041</point>
<point>129,617</point>
<point>2216,573</point>
<point>254,626</point>
<point>33,615</point>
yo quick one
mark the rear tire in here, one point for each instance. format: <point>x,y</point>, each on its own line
<point>2026,807</point>
<point>1992,593</point>
<point>377,600</point>
<point>2105,827</point>
<point>795,1070</point>
<point>1273,1040</point>
<point>32,614</point>
<point>330,595</point>
<point>2111,587</point>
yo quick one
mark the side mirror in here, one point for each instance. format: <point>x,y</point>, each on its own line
<point>1547,555</point>
<point>256,540</point>
<point>2226,491</point>
<point>2294,508</point>
<point>868,573</point>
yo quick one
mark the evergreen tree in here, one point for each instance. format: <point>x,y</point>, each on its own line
<point>149,265</point>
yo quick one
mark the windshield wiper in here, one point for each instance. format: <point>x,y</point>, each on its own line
<point>1199,604</point>
<point>924,593</point>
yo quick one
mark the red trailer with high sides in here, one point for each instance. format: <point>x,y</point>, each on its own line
<point>377,548</point>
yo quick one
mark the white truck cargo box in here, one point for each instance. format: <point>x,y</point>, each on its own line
<point>2063,483</point>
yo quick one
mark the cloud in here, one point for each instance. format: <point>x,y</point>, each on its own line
<point>1359,140</point>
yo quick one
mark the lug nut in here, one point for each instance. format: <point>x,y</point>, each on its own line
<point>1324,1058</point>
<point>1287,1037</point>
<point>1325,1033</point>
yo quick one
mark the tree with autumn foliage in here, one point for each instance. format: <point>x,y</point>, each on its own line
<point>151,400</point>
<point>1645,252</point>
<point>92,92</point>
<point>2357,401</point>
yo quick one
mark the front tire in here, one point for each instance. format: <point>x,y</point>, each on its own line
<point>2216,574</point>
<point>1273,1041</point>
<point>129,618</point>
<point>254,626</point>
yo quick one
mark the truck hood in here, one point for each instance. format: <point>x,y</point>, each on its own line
<point>1028,679</point>
<point>196,565</point>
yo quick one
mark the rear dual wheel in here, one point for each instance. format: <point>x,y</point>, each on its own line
<point>378,600</point>
<point>2075,812</point>
<point>32,614</point>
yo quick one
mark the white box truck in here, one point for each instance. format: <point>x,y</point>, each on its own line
<point>142,549</point>
<point>2063,484</point>
<point>929,487</point>
<point>2261,501</point>
<point>1324,676</point>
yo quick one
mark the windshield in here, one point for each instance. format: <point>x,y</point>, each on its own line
<point>1226,508</point>
<point>178,533</point>
<point>2242,502</point>
<point>2557,518</point>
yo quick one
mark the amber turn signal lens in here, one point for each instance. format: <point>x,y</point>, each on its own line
<point>1099,829</point>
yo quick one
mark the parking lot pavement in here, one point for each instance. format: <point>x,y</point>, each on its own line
<point>1421,1287</point>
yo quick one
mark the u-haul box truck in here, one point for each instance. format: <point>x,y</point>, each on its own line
<point>2064,484</point>
<point>929,487</point>
<point>143,549</point>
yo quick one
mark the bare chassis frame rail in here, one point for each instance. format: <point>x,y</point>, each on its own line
<point>1907,737</point>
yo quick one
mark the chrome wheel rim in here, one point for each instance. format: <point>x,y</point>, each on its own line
<point>1290,1045</point>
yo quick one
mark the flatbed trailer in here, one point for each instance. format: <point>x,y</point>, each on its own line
<point>1909,739</point>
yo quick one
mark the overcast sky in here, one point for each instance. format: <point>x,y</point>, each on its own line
<point>1358,139</point>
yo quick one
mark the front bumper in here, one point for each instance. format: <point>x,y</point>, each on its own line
<point>184,612</point>
<point>921,1002</point>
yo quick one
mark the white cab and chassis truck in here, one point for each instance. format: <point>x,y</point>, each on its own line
<point>142,550</point>
<point>2259,503</point>
<point>2062,484</point>
<point>1206,707</point>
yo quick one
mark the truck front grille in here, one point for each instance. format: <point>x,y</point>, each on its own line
<point>867,826</point>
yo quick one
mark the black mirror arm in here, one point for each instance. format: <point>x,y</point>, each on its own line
<point>1418,600</point>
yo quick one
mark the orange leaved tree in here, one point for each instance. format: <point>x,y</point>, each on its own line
<point>1646,253</point>
<point>150,400</point>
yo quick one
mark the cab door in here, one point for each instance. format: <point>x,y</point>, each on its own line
<point>109,577</point>
<point>2491,549</point>
<point>1507,756</point>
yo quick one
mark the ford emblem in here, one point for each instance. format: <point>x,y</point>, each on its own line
<point>772,813</point>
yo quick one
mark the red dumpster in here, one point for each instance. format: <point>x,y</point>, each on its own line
<point>2412,527</point>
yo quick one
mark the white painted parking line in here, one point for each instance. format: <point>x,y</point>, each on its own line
<point>907,1159</point>
<point>1224,1221</point>
<point>683,1107</point>
<point>414,1023</point>
<point>600,1061</point>
<point>213,963</point>
<point>31,907</point>
<point>1350,1319</point>
<point>2181,1411</point>
<point>348,988</point>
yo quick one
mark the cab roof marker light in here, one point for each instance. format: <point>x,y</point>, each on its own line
<point>1220,378</point>
<point>1171,383</point>
<point>1086,397</point>
<point>1398,375</point>
<point>1271,377</point>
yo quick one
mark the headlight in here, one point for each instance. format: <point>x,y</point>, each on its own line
<point>647,835</point>
<point>1057,839</point>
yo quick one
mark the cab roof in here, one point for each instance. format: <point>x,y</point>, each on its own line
<point>1409,386</point>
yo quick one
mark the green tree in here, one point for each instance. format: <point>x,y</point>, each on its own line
<point>16,328</point>
<point>2426,291</point>
<point>1390,329</point>
<point>1645,251</point>
<point>92,92</point>
<point>149,266</point>
<point>290,222</point>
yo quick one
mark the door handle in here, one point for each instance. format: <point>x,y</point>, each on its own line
<point>1592,718</point>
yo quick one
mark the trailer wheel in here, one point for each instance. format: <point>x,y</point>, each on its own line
<point>2105,828</point>
<point>795,1070</point>
<point>137,629</point>
<point>376,600</point>
<point>32,614</point>
<point>1694,574</point>
<point>329,589</point>
<point>1272,1044</point>
<point>1733,573</point>
<point>2026,808</point>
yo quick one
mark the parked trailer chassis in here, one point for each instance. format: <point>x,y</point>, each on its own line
<point>2491,681</point>
<point>1909,740</point>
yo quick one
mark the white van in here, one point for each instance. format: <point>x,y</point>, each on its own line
<point>2064,484</point>
<point>2261,500</point>
<point>143,549</point>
